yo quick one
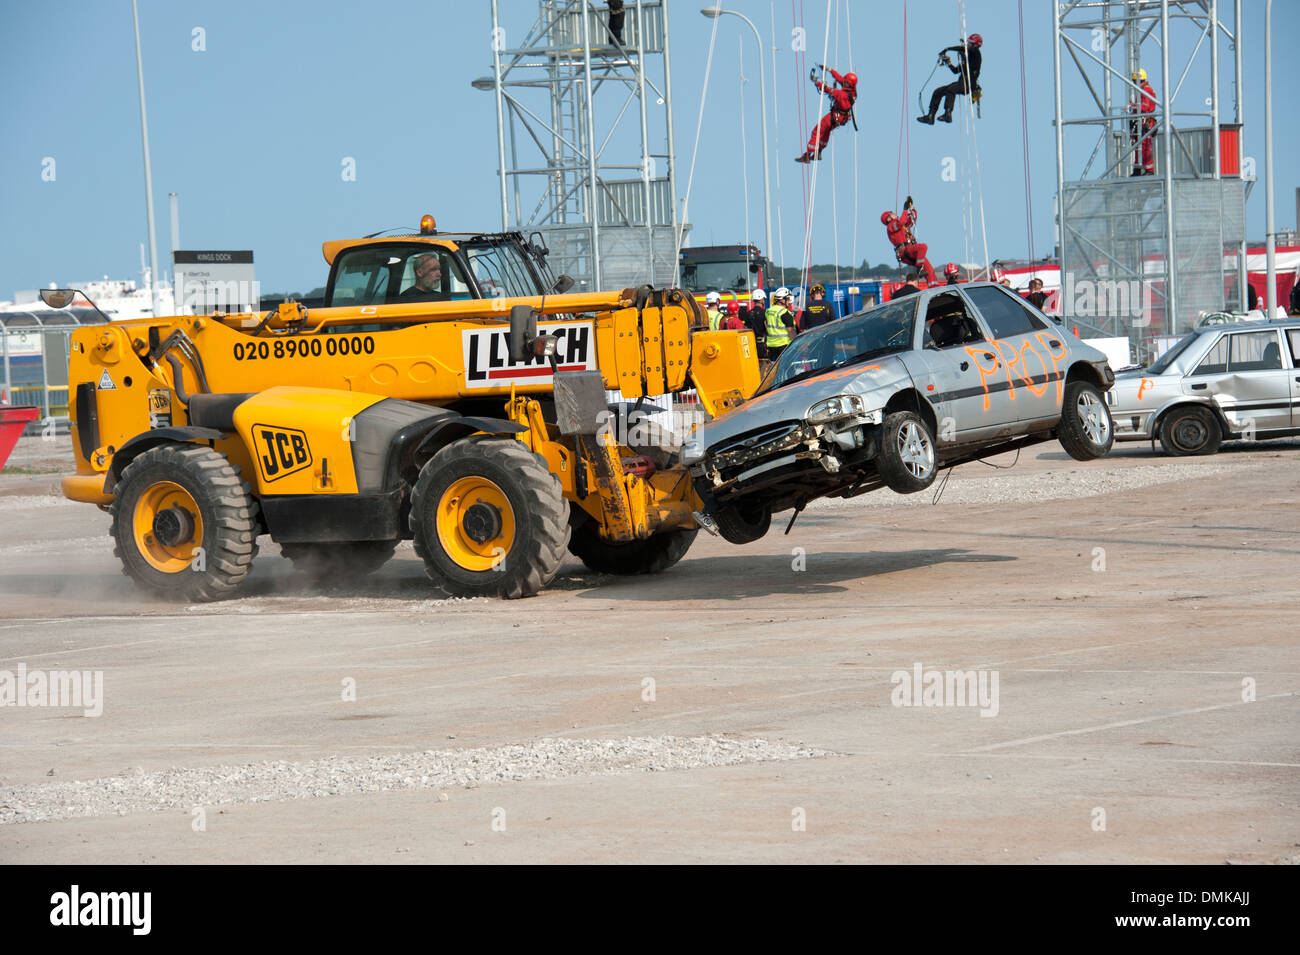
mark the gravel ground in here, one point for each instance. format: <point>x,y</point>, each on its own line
<point>281,780</point>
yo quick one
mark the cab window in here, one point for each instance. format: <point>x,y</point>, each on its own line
<point>392,274</point>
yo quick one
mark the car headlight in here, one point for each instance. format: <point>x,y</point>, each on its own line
<point>828,409</point>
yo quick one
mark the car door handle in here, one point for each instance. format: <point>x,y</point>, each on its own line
<point>1202,387</point>
<point>989,355</point>
<point>1054,343</point>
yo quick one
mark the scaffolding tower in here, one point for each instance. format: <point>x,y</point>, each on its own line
<point>1147,255</point>
<point>585,139</point>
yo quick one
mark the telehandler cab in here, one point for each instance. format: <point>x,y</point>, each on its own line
<point>446,414</point>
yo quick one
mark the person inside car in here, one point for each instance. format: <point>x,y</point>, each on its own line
<point>428,280</point>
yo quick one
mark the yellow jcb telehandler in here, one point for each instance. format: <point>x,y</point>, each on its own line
<point>436,408</point>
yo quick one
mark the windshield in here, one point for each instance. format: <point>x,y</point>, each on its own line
<point>500,269</point>
<point>716,276</point>
<point>1161,364</point>
<point>884,329</point>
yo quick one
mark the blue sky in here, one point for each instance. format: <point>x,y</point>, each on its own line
<point>252,131</point>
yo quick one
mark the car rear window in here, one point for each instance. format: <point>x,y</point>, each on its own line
<point>1215,361</point>
<point>1254,351</point>
<point>1005,311</point>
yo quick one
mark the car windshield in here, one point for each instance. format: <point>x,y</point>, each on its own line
<point>884,329</point>
<point>1161,364</point>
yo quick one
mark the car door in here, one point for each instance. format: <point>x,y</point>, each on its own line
<point>1243,372</point>
<point>1027,357</point>
<point>959,371</point>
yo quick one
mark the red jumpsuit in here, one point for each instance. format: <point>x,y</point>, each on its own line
<point>842,100</point>
<point>909,251</point>
<point>1144,163</point>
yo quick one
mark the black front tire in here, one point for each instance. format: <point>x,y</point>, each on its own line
<point>1190,431</point>
<point>1086,431</point>
<point>338,560</point>
<point>208,560</point>
<point>743,525</point>
<point>652,555</point>
<point>907,461</point>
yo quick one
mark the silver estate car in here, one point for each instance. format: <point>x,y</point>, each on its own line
<point>1218,382</point>
<point>889,396</point>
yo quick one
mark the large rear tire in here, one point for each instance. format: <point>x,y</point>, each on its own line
<point>489,519</point>
<point>183,523</point>
<point>743,525</point>
<point>652,555</point>
<point>338,560</point>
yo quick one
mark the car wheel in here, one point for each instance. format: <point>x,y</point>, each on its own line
<point>1190,430</point>
<point>907,461</point>
<point>743,525</point>
<point>1086,431</point>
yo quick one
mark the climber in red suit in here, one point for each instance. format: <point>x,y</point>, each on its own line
<point>909,251</point>
<point>842,95</point>
<point>1144,162</point>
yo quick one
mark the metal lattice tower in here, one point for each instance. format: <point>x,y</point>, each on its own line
<point>584,139</point>
<point>1121,233</point>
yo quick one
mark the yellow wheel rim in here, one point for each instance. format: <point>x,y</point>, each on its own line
<point>168,527</point>
<point>476,525</point>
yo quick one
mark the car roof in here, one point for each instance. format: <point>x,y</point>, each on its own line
<point>1290,322</point>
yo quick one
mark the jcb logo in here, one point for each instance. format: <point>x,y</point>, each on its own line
<point>280,451</point>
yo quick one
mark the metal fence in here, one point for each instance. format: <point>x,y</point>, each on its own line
<point>34,350</point>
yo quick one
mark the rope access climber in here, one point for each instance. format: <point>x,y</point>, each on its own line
<point>843,95</point>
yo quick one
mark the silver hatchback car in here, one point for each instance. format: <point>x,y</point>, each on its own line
<point>1218,382</point>
<point>889,396</point>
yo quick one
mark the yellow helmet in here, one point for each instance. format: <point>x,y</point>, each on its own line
<point>1140,76</point>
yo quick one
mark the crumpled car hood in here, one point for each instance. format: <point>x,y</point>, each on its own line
<point>791,402</point>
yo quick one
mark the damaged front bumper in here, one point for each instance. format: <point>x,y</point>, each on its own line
<point>829,445</point>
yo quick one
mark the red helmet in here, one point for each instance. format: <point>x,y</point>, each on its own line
<point>886,216</point>
<point>733,308</point>
<point>975,40</point>
<point>951,269</point>
<point>850,79</point>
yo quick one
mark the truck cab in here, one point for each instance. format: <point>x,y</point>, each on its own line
<point>435,266</point>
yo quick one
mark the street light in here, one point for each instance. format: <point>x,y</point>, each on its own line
<point>713,13</point>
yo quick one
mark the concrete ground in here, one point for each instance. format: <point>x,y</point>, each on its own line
<point>1126,607</point>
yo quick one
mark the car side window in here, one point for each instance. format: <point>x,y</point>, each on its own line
<point>1254,351</point>
<point>1293,336</point>
<point>1004,311</point>
<point>1215,361</point>
<point>948,324</point>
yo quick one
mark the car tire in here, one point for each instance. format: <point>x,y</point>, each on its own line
<point>907,462</point>
<point>743,525</point>
<point>652,555</point>
<point>1086,431</point>
<point>1190,430</point>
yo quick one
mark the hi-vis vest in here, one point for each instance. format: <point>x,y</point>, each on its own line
<point>777,332</point>
<point>715,319</point>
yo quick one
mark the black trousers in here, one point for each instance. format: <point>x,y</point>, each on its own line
<point>948,94</point>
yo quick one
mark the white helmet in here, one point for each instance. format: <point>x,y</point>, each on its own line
<point>758,295</point>
<point>782,292</point>
<point>713,298</point>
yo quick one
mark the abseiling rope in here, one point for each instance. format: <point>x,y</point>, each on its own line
<point>805,266</point>
<point>690,179</point>
<point>974,143</point>
<point>1024,138</point>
